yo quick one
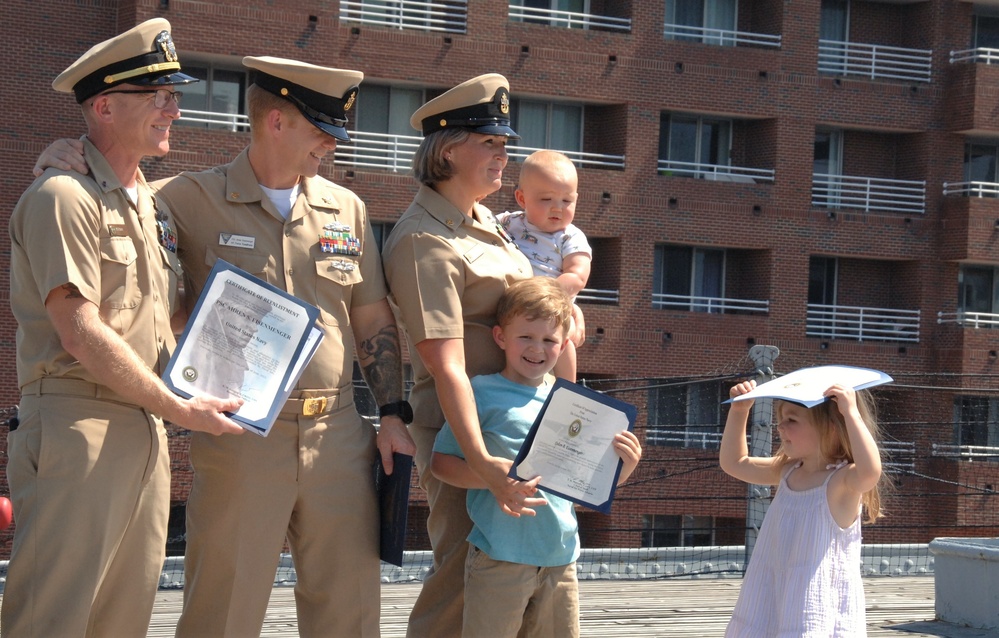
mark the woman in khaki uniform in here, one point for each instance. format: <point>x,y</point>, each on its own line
<point>447,263</point>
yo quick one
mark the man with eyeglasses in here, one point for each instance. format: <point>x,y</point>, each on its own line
<point>310,481</point>
<point>93,286</point>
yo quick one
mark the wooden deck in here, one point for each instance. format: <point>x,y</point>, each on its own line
<point>900,607</point>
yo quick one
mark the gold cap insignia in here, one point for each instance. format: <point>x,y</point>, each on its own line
<point>165,44</point>
<point>350,100</point>
<point>504,103</point>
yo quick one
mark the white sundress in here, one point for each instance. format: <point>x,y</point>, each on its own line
<point>804,578</point>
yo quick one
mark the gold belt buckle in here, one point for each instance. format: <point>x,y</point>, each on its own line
<point>313,406</point>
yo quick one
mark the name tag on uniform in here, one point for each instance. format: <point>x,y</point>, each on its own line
<point>237,241</point>
<point>117,230</point>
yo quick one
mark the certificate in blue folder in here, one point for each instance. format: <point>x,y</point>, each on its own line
<point>246,339</point>
<point>571,445</point>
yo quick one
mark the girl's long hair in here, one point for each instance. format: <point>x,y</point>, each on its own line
<point>835,443</point>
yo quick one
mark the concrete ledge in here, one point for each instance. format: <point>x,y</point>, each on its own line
<point>967,581</point>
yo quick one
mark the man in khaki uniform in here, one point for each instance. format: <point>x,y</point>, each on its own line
<point>311,479</point>
<point>93,279</point>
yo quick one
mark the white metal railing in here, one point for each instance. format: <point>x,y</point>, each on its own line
<point>709,304</point>
<point>231,121</point>
<point>722,37</point>
<point>981,54</point>
<point>378,150</point>
<point>445,15</point>
<point>395,152</point>
<point>971,189</point>
<point>684,437</point>
<point>869,194</point>
<point>716,172</point>
<point>861,323</point>
<point>966,451</point>
<point>581,159</point>
<point>874,61</point>
<point>595,295</point>
<point>568,19</point>
<point>970,319</point>
<point>900,456</point>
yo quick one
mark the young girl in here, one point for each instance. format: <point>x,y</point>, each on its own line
<point>804,578</point>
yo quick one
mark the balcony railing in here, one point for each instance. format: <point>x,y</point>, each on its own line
<point>716,172</point>
<point>447,15</point>
<point>378,150</point>
<point>721,37</point>
<point>861,323</point>
<point>710,304</point>
<point>970,452</point>
<point>869,194</point>
<point>568,19</point>
<point>981,54</point>
<point>971,189</point>
<point>579,158</point>
<point>214,119</point>
<point>970,319</point>
<point>597,296</point>
<point>683,437</point>
<point>395,152</point>
<point>900,456</point>
<point>874,61</point>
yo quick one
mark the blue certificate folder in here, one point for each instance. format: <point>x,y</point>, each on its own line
<point>245,338</point>
<point>393,506</point>
<point>608,417</point>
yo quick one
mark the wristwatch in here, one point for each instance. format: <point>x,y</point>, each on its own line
<point>401,409</point>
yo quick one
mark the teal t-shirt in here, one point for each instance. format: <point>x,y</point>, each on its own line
<point>506,412</point>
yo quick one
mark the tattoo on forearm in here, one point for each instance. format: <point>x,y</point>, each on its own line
<point>380,358</point>
<point>72,292</point>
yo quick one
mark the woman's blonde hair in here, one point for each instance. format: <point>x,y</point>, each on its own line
<point>834,443</point>
<point>430,164</point>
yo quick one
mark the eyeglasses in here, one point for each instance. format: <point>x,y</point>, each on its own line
<point>161,97</point>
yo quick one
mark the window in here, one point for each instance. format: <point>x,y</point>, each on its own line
<point>977,290</point>
<point>218,100</point>
<point>980,163</point>
<point>381,231</point>
<point>685,414</point>
<point>691,146</point>
<point>822,280</point>
<point>544,6</point>
<point>551,125</point>
<point>671,530</point>
<point>689,278</point>
<point>386,109</point>
<point>985,28</point>
<point>708,21</point>
<point>976,421</point>
<point>827,167</point>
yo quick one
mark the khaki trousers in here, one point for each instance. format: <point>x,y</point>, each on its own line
<point>90,485</point>
<point>310,481</point>
<point>437,612</point>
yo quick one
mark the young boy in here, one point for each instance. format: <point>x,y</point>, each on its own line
<point>520,573</point>
<point>544,232</point>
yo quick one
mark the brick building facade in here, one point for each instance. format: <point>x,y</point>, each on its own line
<point>820,176</point>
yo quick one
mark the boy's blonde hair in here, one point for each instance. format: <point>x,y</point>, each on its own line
<point>536,298</point>
<point>834,443</point>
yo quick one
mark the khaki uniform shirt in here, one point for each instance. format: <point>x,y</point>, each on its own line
<point>222,213</point>
<point>84,230</point>
<point>447,272</point>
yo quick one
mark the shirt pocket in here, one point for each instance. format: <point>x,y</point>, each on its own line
<point>119,273</point>
<point>334,278</point>
<point>257,264</point>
